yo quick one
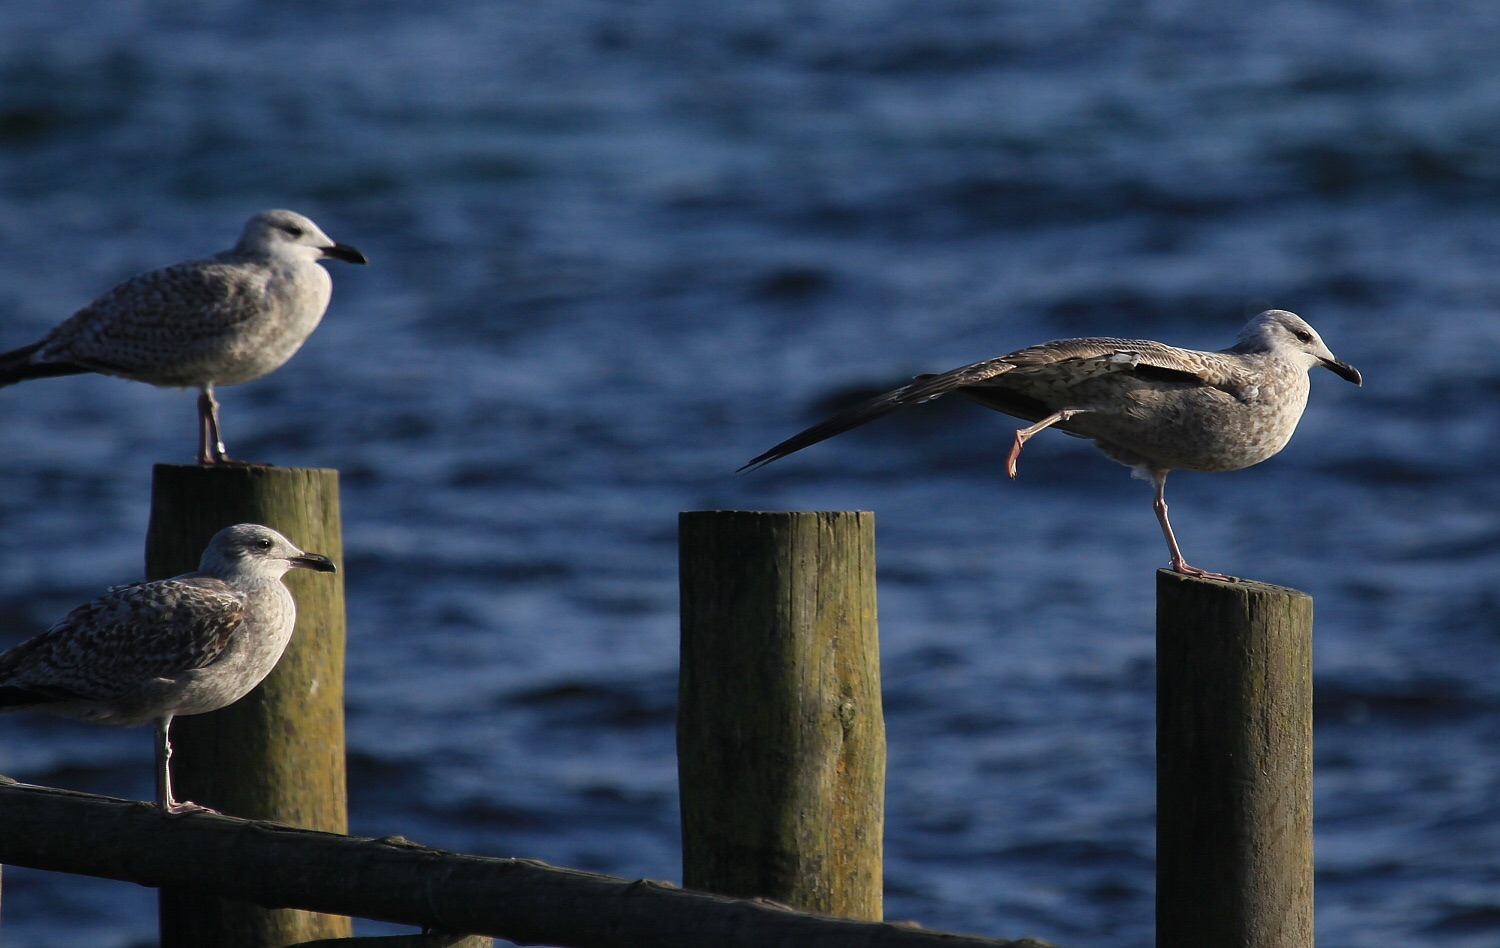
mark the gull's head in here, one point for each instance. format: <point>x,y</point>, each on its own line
<point>1289,336</point>
<point>249,550</point>
<point>288,234</point>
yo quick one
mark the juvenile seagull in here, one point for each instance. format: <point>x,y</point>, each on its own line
<point>1152,407</point>
<point>228,319</point>
<point>153,651</point>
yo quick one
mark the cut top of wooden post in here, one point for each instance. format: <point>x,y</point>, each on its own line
<point>1249,587</point>
<point>191,502</point>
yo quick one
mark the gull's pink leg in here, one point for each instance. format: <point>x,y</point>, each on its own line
<point>206,435</point>
<point>1159,478</point>
<point>164,800</point>
<point>1024,435</point>
<point>210,441</point>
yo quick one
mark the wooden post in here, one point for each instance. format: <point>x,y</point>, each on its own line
<point>278,753</point>
<point>1234,765</point>
<point>780,737</point>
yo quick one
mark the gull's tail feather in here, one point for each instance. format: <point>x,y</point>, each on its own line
<point>17,366</point>
<point>924,388</point>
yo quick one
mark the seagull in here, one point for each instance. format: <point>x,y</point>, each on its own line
<point>1152,407</point>
<point>223,320</point>
<point>153,651</point>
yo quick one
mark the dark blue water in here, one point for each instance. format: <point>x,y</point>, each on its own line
<point>618,249</point>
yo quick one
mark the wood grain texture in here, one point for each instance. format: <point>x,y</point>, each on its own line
<point>780,734</point>
<point>395,880</point>
<point>1234,764</point>
<point>278,753</point>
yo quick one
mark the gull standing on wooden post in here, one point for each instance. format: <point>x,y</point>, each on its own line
<point>1152,407</point>
<point>153,651</point>
<point>223,320</point>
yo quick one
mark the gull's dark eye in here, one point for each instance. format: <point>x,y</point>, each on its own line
<point>292,230</point>
<point>264,543</point>
<point>1303,335</point>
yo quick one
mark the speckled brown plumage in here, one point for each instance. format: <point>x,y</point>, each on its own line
<point>96,658</point>
<point>158,650</point>
<point>1153,407</point>
<point>220,321</point>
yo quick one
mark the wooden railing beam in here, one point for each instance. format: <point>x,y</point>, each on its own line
<point>394,880</point>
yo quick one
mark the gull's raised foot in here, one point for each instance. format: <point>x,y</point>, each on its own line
<point>1014,456</point>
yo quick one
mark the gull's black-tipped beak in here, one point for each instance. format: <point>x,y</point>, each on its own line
<point>345,253</point>
<point>1344,371</point>
<point>314,561</point>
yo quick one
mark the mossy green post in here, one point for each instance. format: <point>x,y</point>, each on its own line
<point>1234,765</point>
<point>277,753</point>
<point>780,735</point>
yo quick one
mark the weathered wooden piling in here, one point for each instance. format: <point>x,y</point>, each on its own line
<point>780,735</point>
<point>1234,765</point>
<point>278,753</point>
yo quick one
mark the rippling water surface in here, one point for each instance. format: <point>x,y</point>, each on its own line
<point>618,249</point>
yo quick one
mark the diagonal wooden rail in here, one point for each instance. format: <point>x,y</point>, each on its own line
<point>394,880</point>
